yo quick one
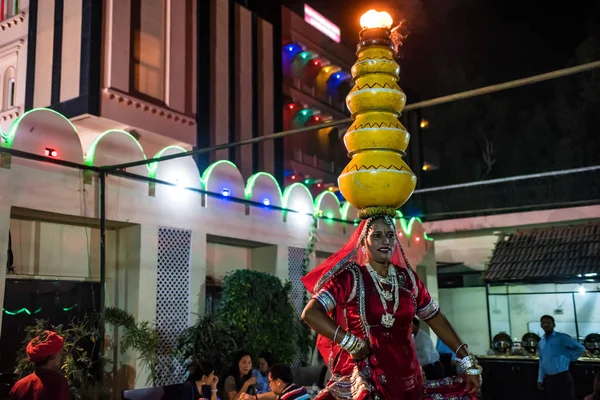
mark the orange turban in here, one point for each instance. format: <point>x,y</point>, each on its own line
<point>44,345</point>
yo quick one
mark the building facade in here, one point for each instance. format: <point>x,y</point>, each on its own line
<point>97,83</point>
<point>182,73</point>
<point>164,242</point>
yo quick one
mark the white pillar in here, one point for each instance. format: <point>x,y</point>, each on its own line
<point>4,232</point>
<point>197,276</point>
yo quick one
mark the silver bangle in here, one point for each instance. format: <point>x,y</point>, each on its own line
<point>360,344</point>
<point>345,340</point>
<point>336,332</point>
<point>474,371</point>
<point>460,347</point>
<point>468,362</point>
<point>352,344</point>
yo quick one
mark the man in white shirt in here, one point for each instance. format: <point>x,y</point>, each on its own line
<point>428,357</point>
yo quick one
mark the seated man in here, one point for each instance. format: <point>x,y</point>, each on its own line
<point>265,361</point>
<point>281,381</point>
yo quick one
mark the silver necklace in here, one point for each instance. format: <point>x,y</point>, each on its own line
<point>387,319</point>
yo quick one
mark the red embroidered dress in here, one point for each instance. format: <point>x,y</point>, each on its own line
<point>347,291</point>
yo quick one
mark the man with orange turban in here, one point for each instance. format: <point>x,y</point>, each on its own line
<point>46,382</point>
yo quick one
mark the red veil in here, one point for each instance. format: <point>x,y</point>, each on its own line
<point>350,252</point>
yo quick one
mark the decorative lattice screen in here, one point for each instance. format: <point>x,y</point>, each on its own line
<point>172,298</point>
<point>296,257</point>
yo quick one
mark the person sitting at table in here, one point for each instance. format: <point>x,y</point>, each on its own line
<point>204,382</point>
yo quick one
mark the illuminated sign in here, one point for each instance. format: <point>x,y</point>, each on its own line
<point>321,23</point>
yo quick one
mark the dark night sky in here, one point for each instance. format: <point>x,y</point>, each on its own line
<point>491,41</point>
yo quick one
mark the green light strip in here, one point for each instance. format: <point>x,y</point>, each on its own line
<point>210,169</point>
<point>26,310</point>
<point>319,200</point>
<point>252,181</point>
<point>9,136</point>
<point>88,159</point>
<point>406,225</point>
<point>288,191</point>
<point>153,167</point>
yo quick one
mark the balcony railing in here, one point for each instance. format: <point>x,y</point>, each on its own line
<point>312,91</point>
<point>314,161</point>
<point>557,191</point>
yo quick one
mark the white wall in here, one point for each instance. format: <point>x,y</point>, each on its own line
<point>222,259</point>
<point>59,250</point>
<point>466,309</point>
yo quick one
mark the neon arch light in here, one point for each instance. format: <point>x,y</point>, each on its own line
<point>288,191</point>
<point>407,227</point>
<point>319,200</point>
<point>153,167</point>
<point>9,136</point>
<point>248,191</point>
<point>90,154</point>
<point>88,159</point>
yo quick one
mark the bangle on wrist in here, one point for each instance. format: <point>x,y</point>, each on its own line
<point>336,333</point>
<point>345,340</point>
<point>468,362</point>
<point>352,344</point>
<point>474,371</point>
<point>460,347</point>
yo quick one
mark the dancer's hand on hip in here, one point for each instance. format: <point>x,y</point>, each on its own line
<point>363,353</point>
<point>473,384</point>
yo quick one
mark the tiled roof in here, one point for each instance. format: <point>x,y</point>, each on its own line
<point>547,254</point>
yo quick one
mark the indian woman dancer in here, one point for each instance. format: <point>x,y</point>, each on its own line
<point>364,299</point>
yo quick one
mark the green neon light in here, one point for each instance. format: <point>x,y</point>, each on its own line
<point>345,210</point>
<point>320,198</point>
<point>252,181</point>
<point>408,226</point>
<point>209,170</point>
<point>88,159</point>
<point>9,136</point>
<point>25,310</point>
<point>70,308</point>
<point>8,140</point>
<point>288,190</point>
<point>153,167</point>
<point>21,311</point>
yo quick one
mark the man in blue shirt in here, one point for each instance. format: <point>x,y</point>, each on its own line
<point>265,361</point>
<point>557,350</point>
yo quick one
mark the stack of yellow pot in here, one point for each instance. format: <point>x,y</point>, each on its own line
<point>377,180</point>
